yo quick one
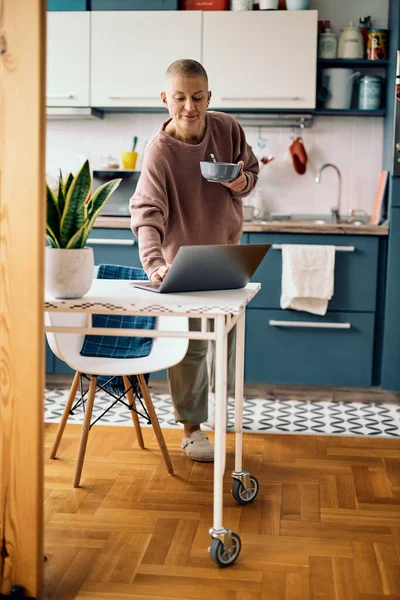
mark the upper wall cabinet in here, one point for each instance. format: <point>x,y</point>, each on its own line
<point>261,59</point>
<point>68,63</point>
<point>131,51</point>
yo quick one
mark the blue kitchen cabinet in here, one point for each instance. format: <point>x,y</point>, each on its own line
<point>309,355</point>
<point>114,246</point>
<point>380,311</point>
<point>67,5</point>
<point>49,358</point>
<point>278,352</point>
<point>355,272</point>
<point>391,332</point>
<point>394,184</point>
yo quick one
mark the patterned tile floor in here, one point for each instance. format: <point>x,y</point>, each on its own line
<point>370,419</point>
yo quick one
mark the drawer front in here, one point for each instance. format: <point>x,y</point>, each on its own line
<point>355,272</point>
<point>114,246</point>
<point>278,352</point>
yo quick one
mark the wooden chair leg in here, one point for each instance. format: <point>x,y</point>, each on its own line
<point>134,415</point>
<point>156,425</point>
<point>85,430</point>
<point>65,415</point>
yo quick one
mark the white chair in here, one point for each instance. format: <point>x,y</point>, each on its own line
<point>165,353</point>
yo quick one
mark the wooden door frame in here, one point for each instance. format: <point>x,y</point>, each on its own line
<point>22,228</point>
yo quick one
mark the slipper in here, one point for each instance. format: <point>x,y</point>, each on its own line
<point>197,447</point>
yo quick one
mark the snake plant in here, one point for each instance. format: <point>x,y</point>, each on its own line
<point>72,208</point>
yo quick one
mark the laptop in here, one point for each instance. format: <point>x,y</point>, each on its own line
<point>204,268</point>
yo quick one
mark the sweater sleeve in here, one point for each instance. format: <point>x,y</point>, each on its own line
<point>149,211</point>
<point>251,166</point>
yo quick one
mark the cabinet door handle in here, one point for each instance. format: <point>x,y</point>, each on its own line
<point>133,98</point>
<point>65,97</point>
<point>311,324</point>
<point>264,98</point>
<point>110,242</point>
<point>337,248</point>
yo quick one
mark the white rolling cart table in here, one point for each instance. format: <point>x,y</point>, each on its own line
<point>227,309</point>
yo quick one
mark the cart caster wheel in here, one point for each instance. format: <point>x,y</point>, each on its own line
<point>219,554</point>
<point>242,495</point>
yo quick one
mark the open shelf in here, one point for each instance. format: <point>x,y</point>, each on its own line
<point>353,62</point>
<point>351,112</point>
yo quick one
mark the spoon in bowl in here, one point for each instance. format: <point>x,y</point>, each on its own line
<point>213,158</point>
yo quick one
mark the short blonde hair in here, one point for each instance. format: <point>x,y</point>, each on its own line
<point>186,67</point>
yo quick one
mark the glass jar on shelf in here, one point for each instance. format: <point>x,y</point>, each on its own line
<point>327,44</point>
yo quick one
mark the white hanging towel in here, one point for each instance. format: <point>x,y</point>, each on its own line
<point>307,277</point>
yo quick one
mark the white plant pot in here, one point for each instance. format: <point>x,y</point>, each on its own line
<point>69,272</point>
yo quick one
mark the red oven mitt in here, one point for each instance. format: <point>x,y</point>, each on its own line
<point>299,156</point>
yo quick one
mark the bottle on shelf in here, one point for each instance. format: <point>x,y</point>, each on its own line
<point>365,25</point>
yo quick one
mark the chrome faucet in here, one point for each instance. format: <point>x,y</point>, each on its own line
<point>335,211</point>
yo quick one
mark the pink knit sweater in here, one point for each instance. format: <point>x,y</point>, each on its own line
<point>175,206</point>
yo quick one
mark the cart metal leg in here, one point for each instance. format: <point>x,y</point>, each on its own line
<point>239,384</point>
<point>221,380</point>
<point>245,486</point>
<point>225,545</point>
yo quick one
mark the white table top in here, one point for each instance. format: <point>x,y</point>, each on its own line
<point>108,296</point>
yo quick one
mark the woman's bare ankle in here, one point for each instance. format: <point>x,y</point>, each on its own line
<point>189,429</point>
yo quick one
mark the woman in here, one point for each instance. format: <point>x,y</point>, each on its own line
<point>174,205</point>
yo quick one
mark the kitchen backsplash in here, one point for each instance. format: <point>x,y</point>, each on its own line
<point>353,144</point>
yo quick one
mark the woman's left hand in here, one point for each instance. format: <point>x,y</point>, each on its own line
<point>238,184</point>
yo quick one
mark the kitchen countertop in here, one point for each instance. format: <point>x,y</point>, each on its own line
<point>273,227</point>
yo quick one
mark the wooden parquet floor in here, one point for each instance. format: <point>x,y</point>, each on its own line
<point>325,525</point>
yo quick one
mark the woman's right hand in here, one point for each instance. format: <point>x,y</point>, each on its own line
<point>159,274</point>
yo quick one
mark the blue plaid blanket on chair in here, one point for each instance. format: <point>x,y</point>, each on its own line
<point>108,346</point>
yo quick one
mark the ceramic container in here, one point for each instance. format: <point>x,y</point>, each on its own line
<point>339,83</point>
<point>297,4</point>
<point>241,5</point>
<point>250,212</point>
<point>128,160</point>
<point>268,4</point>
<point>351,43</point>
<point>327,44</point>
<point>370,93</point>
